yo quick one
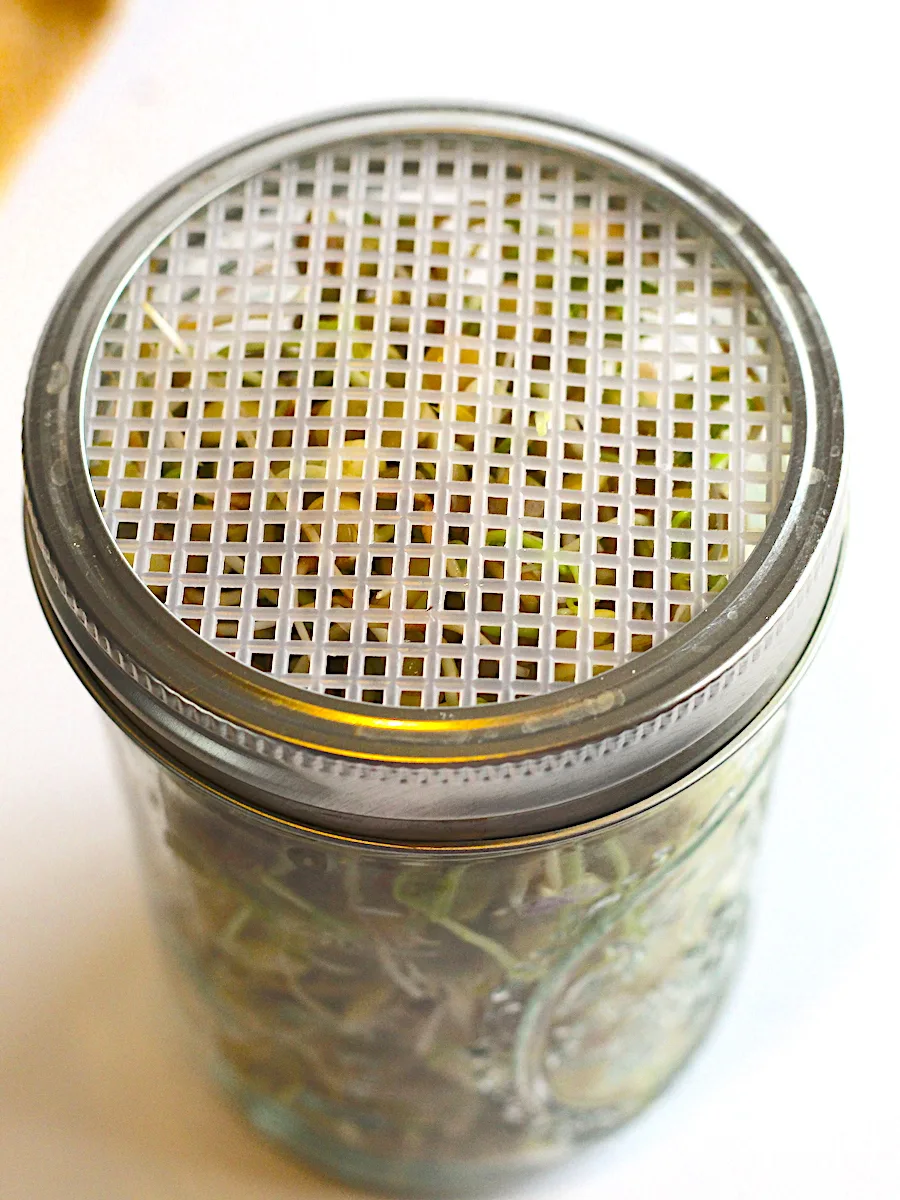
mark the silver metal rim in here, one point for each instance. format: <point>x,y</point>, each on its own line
<point>746,734</point>
<point>269,736</point>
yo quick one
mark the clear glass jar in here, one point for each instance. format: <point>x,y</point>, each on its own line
<point>434,1019</point>
<point>442,503</point>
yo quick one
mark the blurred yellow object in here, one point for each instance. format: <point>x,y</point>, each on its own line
<point>42,42</point>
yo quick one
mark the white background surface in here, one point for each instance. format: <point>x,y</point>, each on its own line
<point>793,116</point>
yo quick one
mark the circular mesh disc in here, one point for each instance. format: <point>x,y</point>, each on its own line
<point>437,421</point>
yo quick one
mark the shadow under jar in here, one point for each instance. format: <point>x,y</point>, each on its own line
<point>442,503</point>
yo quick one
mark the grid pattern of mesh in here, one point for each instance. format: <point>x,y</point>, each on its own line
<point>437,421</point>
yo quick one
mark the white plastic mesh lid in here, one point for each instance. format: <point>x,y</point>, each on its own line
<point>437,421</point>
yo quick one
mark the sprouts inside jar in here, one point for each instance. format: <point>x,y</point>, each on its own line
<point>412,1017</point>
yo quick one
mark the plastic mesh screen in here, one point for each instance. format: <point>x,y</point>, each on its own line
<point>437,421</point>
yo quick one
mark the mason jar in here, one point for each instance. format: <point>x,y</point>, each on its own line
<point>442,505</point>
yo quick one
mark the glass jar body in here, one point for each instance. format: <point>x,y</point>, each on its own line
<point>443,1020</point>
